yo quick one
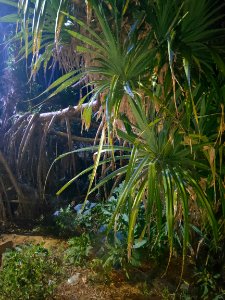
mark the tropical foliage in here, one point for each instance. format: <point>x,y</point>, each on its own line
<point>157,70</point>
<point>41,28</point>
<point>155,98</point>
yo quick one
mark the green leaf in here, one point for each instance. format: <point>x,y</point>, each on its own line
<point>86,40</point>
<point>10,2</point>
<point>86,116</point>
<point>12,18</point>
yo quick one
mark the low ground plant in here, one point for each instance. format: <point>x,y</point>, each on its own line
<point>79,250</point>
<point>65,221</point>
<point>208,285</point>
<point>28,272</point>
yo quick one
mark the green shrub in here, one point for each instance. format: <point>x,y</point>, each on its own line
<point>28,272</point>
<point>70,221</point>
<point>208,285</point>
<point>79,250</point>
<point>65,221</point>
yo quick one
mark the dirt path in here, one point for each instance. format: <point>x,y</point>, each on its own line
<point>19,239</point>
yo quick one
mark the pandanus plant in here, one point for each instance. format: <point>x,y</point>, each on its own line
<point>167,153</point>
<point>160,171</point>
<point>158,65</point>
<point>40,27</point>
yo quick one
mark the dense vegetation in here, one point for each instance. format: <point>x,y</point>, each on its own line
<point>152,73</point>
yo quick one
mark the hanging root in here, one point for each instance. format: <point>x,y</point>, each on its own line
<point>31,144</point>
<point>41,160</point>
<point>26,138</point>
<point>21,198</point>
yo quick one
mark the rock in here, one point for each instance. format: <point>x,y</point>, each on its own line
<point>3,247</point>
<point>74,279</point>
